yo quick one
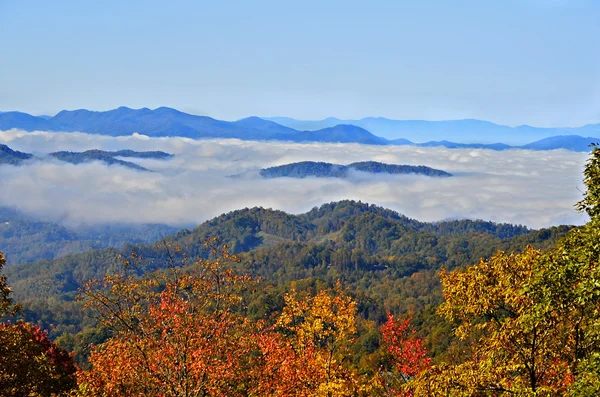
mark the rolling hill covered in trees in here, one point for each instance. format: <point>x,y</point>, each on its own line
<point>389,261</point>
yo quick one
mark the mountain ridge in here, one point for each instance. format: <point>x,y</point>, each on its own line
<point>12,157</point>
<point>305,169</point>
<point>462,130</point>
<point>164,122</point>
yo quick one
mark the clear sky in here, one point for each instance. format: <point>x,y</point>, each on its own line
<point>512,61</point>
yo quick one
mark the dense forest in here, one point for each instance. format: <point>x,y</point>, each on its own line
<point>348,299</point>
<point>316,169</point>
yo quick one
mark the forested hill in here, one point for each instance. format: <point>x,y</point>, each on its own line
<point>388,261</point>
<point>328,170</point>
<point>348,236</point>
<point>12,157</point>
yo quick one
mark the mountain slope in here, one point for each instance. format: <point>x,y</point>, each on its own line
<point>375,232</point>
<point>569,142</point>
<point>341,133</point>
<point>23,121</point>
<point>387,260</point>
<point>9,156</point>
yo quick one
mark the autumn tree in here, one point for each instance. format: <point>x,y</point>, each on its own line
<point>308,355</point>
<point>5,299</point>
<point>406,355</point>
<point>30,364</point>
<point>515,350</point>
<point>176,333</point>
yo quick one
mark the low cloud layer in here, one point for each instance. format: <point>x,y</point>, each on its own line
<point>537,189</point>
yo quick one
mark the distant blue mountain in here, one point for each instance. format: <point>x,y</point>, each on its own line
<point>469,130</point>
<point>341,133</point>
<point>170,122</point>
<point>454,145</point>
<point>569,142</point>
<point>23,121</point>
<point>165,121</point>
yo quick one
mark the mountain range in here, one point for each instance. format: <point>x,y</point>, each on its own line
<point>165,121</point>
<point>467,130</point>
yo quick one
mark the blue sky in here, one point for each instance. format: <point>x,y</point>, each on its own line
<point>513,62</point>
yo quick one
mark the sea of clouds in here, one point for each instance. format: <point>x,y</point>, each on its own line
<point>533,188</point>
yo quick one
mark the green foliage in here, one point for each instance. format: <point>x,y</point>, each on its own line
<point>588,383</point>
<point>5,299</point>
<point>591,200</point>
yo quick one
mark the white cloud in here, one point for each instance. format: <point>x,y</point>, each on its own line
<point>517,186</point>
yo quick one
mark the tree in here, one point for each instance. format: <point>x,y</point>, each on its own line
<point>308,355</point>
<point>515,349</point>
<point>407,356</point>
<point>588,381</point>
<point>32,365</point>
<point>5,299</point>
<point>175,333</point>
<point>591,200</point>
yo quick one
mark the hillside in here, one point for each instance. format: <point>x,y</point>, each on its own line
<point>392,258</point>
<point>335,223</point>
<point>327,170</point>
<point>569,142</point>
<point>9,156</point>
